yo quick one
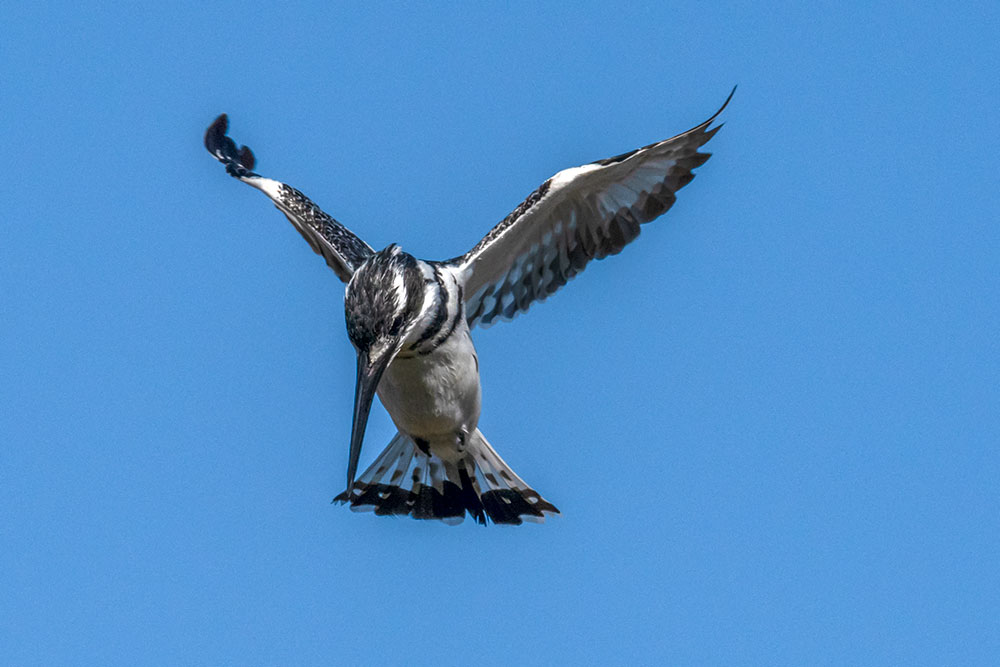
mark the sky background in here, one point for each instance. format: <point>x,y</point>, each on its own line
<point>771,424</point>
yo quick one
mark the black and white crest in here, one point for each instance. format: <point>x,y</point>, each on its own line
<point>384,295</point>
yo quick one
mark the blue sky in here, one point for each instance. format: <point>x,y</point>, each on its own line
<point>771,423</point>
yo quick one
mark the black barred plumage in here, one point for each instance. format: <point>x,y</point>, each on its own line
<point>409,480</point>
<point>440,311</point>
<point>409,319</point>
<point>458,312</point>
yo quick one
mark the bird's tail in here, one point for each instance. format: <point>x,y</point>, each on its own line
<point>406,480</point>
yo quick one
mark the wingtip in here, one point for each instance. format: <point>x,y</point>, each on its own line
<point>723,107</point>
<point>216,132</point>
<point>246,157</point>
<point>239,161</point>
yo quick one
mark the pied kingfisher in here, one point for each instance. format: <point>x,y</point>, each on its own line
<point>409,319</point>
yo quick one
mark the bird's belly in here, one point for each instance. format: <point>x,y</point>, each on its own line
<point>436,395</point>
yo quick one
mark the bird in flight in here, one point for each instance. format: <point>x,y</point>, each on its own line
<point>409,319</point>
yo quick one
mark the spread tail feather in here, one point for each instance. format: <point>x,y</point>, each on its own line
<point>406,481</point>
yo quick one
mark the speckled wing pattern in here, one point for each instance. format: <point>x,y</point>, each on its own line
<point>579,214</point>
<point>343,251</point>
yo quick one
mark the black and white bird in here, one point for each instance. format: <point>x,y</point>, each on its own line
<point>409,319</point>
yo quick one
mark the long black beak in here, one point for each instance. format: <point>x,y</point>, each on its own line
<point>369,374</point>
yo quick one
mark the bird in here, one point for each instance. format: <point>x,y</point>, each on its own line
<point>409,319</point>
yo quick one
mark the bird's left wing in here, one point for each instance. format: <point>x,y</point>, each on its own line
<point>343,251</point>
<point>579,214</point>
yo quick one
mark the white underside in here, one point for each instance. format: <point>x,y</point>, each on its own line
<point>436,397</point>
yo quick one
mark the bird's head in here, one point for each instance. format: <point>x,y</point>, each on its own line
<point>383,303</point>
<point>383,300</point>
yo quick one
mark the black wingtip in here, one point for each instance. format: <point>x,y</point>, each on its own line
<point>216,133</point>
<point>722,108</point>
<point>247,158</point>
<point>239,161</point>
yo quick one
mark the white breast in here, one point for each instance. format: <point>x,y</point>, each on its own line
<point>435,396</point>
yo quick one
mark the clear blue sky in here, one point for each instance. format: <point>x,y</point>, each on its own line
<point>771,423</point>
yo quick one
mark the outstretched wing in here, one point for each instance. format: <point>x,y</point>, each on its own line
<point>579,214</point>
<point>343,251</point>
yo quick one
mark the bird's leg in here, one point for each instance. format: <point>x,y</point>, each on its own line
<point>462,439</point>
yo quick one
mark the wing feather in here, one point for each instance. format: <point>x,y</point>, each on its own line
<point>583,213</point>
<point>343,251</point>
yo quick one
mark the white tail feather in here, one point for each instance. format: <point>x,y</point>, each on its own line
<point>405,480</point>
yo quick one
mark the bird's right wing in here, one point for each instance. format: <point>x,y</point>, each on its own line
<point>343,251</point>
<point>578,215</point>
